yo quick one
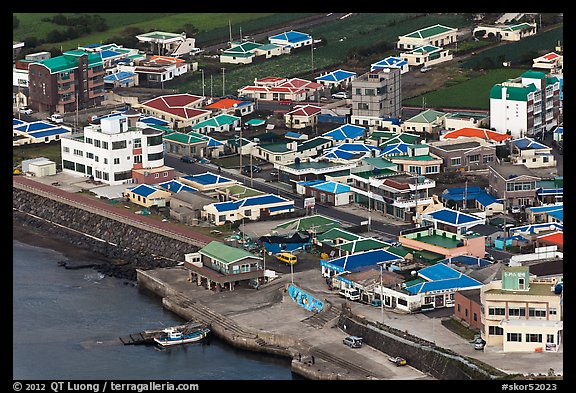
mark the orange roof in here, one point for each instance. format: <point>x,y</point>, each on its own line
<point>224,103</point>
<point>477,132</point>
<point>166,59</point>
<point>551,56</point>
<point>554,238</point>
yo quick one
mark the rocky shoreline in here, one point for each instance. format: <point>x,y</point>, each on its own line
<point>83,251</point>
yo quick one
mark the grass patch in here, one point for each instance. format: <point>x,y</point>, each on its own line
<point>472,93</point>
<point>456,327</point>
<point>49,150</point>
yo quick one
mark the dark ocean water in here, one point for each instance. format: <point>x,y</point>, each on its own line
<point>66,325</point>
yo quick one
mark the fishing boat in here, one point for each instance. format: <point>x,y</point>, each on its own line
<point>173,336</point>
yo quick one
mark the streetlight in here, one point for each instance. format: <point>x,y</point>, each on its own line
<point>292,273</point>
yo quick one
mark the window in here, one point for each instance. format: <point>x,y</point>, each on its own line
<point>105,145</point>
<point>156,176</point>
<point>455,161</point>
<point>116,161</point>
<point>402,302</point>
<point>516,312</point>
<point>221,218</point>
<point>474,158</point>
<point>550,338</point>
<point>118,145</point>
<point>137,143</point>
<point>533,338</point>
<point>66,149</point>
<point>537,312</point>
<point>487,158</point>
<point>521,283</point>
<point>496,311</point>
<point>165,174</point>
<point>552,311</point>
<point>514,337</point>
<point>369,92</point>
<point>475,317</point>
<point>248,213</point>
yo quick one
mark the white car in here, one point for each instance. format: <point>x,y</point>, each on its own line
<point>340,95</point>
<point>425,69</point>
<point>25,110</point>
<point>56,118</point>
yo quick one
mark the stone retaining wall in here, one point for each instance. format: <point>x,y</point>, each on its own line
<point>128,247</point>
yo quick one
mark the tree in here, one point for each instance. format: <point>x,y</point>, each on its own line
<point>190,30</point>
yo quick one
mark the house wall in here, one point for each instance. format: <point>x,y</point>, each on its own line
<point>467,311</point>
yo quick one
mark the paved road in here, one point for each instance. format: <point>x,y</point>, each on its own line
<point>356,216</point>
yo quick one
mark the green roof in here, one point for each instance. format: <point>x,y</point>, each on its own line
<point>426,157</point>
<point>429,255</point>
<point>217,121</point>
<point>225,253</point>
<point>242,191</point>
<point>533,74</point>
<point>316,223</point>
<point>276,147</point>
<point>360,245</point>
<point>312,143</point>
<point>429,31</point>
<point>380,163</point>
<point>513,93</point>
<point>428,116</point>
<point>69,61</point>
<point>183,138</point>
<point>159,35</point>
<point>338,233</point>
<point>401,251</point>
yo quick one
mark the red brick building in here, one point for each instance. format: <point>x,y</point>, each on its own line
<point>467,308</point>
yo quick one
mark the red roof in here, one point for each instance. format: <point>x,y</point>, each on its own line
<point>554,238</point>
<point>176,104</point>
<point>305,110</point>
<point>551,56</point>
<point>477,132</point>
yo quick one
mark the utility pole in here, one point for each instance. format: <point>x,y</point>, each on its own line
<point>223,82</point>
<point>202,70</point>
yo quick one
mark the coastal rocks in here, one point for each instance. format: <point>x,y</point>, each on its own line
<point>112,247</point>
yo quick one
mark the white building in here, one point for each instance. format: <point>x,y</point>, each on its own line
<point>526,105</point>
<point>109,151</point>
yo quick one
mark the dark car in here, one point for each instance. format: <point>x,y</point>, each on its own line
<point>251,169</point>
<point>187,159</point>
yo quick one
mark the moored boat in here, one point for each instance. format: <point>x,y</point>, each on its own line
<point>175,337</point>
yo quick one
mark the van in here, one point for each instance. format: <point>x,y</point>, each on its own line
<point>287,258</point>
<point>350,293</point>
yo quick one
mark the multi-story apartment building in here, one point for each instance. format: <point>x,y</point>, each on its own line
<point>515,185</point>
<point>376,95</point>
<point>119,150</point>
<point>471,153</point>
<point>525,106</point>
<point>521,314</point>
<point>66,83</point>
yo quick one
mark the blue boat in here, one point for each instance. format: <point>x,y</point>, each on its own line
<point>173,336</point>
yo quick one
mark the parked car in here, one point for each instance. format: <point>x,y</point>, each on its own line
<point>25,110</point>
<point>353,341</point>
<point>340,95</point>
<point>479,344</point>
<point>56,118</point>
<point>254,169</point>
<point>287,258</point>
<point>515,209</point>
<point>188,159</point>
<point>399,361</point>
<point>425,69</point>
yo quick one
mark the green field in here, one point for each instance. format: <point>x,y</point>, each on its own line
<point>472,93</point>
<point>360,37</point>
<point>210,25</point>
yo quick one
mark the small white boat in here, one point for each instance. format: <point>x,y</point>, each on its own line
<point>173,336</point>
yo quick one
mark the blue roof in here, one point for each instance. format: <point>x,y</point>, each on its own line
<point>528,143</point>
<point>336,76</point>
<point>176,186</point>
<point>395,148</point>
<point>293,135</point>
<point>345,131</point>
<point>16,122</point>
<point>472,193</point>
<point>533,228</point>
<point>208,178</point>
<point>291,36</point>
<point>331,187</point>
<point>442,277</point>
<point>49,132</point>
<point>388,62</point>
<point>144,190</point>
<point>266,199</point>
<point>466,260</point>
<point>559,130</point>
<point>358,261</point>
<point>545,208</point>
<point>153,121</point>
<point>117,76</point>
<point>453,217</point>
<point>34,126</point>
<point>108,53</point>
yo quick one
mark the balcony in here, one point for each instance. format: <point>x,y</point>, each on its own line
<point>408,203</point>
